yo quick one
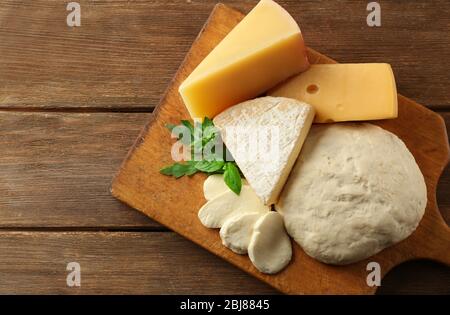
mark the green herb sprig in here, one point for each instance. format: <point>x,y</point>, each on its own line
<point>229,169</point>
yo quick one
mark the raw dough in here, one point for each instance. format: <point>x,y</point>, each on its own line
<point>354,190</point>
<point>270,247</point>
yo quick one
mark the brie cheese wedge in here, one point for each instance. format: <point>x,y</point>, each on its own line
<point>265,136</point>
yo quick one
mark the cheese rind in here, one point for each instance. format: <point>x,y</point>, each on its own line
<point>264,49</point>
<point>265,136</point>
<point>345,92</point>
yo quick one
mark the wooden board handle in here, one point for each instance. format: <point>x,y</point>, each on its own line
<point>432,238</point>
<point>438,248</point>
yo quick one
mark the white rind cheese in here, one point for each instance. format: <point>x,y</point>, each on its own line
<point>265,136</point>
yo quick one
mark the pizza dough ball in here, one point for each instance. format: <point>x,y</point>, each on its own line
<point>355,189</point>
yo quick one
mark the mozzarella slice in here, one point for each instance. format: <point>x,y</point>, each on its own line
<point>214,186</point>
<point>265,136</point>
<point>270,247</point>
<point>215,212</point>
<point>237,231</point>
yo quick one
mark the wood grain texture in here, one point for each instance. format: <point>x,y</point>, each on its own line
<point>56,168</point>
<point>178,201</point>
<point>416,277</point>
<point>116,263</point>
<point>151,263</point>
<point>443,188</point>
<point>125,52</point>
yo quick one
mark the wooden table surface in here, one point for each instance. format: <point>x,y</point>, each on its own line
<point>73,100</point>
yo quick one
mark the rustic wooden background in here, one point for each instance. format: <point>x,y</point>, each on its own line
<point>73,100</point>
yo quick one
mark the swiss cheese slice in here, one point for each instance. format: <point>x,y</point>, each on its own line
<point>345,92</point>
<point>265,48</point>
<point>265,136</point>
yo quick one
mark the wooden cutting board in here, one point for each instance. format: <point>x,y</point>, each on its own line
<point>175,203</point>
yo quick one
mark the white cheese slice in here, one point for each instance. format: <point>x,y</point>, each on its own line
<point>214,186</point>
<point>270,248</point>
<point>215,212</point>
<point>237,231</point>
<point>265,136</point>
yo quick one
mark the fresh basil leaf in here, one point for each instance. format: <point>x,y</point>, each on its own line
<point>210,133</point>
<point>179,170</point>
<point>207,122</point>
<point>209,166</point>
<point>167,170</point>
<point>237,167</point>
<point>192,169</point>
<point>213,164</point>
<point>232,178</point>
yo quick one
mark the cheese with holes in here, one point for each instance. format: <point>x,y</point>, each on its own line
<point>264,136</point>
<point>265,48</point>
<point>345,92</point>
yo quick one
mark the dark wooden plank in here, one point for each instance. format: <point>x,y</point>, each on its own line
<point>443,188</point>
<point>422,130</point>
<point>116,263</point>
<point>413,38</point>
<point>56,169</point>
<point>151,263</point>
<point>417,277</point>
<point>125,52</point>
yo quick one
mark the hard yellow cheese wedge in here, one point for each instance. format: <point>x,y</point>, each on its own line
<point>345,92</point>
<point>265,48</point>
